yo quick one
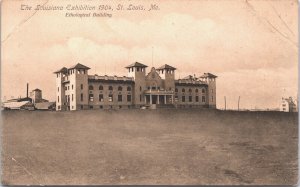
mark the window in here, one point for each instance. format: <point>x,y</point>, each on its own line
<point>81,106</point>
<point>190,90</point>
<point>72,87</point>
<point>284,105</point>
<point>68,87</point>
<point>183,90</point>
<point>128,98</point>
<point>101,97</point>
<point>203,98</point>
<point>176,98</point>
<point>91,107</point>
<point>196,90</point>
<point>120,88</point>
<point>140,88</point>
<point>72,97</point>
<point>197,99</point>
<point>110,88</point>
<point>137,69</point>
<point>81,97</point>
<point>110,98</point>
<point>100,87</point>
<point>128,88</point>
<point>58,89</point>
<point>91,87</point>
<point>203,90</point>
<point>176,89</point>
<point>212,98</point>
<point>183,98</point>
<point>190,98</point>
<point>119,98</point>
<point>58,99</point>
<point>101,106</point>
<point>58,107</point>
<point>81,86</point>
<point>140,98</point>
<point>91,97</point>
<point>212,91</point>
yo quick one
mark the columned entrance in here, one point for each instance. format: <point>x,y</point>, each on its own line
<point>158,99</point>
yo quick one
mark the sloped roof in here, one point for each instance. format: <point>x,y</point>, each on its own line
<point>15,105</point>
<point>136,64</point>
<point>62,70</point>
<point>37,90</point>
<point>166,66</point>
<point>79,66</point>
<point>208,75</point>
<point>190,77</point>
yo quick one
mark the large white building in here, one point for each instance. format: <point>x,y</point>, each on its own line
<point>288,105</point>
<point>77,90</point>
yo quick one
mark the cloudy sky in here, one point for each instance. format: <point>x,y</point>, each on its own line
<point>252,46</point>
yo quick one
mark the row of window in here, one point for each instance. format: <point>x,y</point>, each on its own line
<point>110,98</point>
<point>190,90</point>
<point>190,99</point>
<point>120,88</point>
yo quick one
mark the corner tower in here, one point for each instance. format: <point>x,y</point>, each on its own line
<point>167,73</point>
<point>210,80</point>
<point>61,76</point>
<point>138,72</point>
<point>78,87</point>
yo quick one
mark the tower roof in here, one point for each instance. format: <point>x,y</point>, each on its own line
<point>79,66</point>
<point>62,70</point>
<point>136,64</point>
<point>38,90</point>
<point>208,75</point>
<point>166,66</point>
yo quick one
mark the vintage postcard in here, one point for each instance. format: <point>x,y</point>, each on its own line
<point>147,92</point>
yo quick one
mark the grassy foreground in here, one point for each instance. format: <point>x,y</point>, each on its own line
<point>167,146</point>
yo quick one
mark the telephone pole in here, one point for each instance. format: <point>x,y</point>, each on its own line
<point>239,103</point>
<point>225,101</point>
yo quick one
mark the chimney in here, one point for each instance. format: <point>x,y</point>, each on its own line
<point>27,90</point>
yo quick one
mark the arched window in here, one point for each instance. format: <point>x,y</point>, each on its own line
<point>176,89</point>
<point>91,87</point>
<point>100,87</point>
<point>196,90</point>
<point>190,90</point>
<point>203,90</point>
<point>110,88</point>
<point>128,88</point>
<point>120,88</point>
<point>183,90</point>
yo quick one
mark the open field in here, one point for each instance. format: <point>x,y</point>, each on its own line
<point>166,146</point>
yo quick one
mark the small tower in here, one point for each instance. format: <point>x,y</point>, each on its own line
<point>210,79</point>
<point>167,73</point>
<point>138,72</point>
<point>78,87</point>
<point>36,96</point>
<point>61,76</point>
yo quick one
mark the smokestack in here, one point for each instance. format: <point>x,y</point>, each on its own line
<point>27,90</point>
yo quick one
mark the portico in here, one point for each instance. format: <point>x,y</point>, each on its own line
<point>160,97</point>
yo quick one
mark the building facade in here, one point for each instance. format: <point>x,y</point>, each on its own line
<point>76,90</point>
<point>288,105</point>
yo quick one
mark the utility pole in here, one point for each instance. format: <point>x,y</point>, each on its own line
<point>152,56</point>
<point>239,103</point>
<point>225,101</point>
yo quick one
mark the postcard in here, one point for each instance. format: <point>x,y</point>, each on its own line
<point>148,92</point>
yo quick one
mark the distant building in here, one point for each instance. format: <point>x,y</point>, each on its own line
<point>76,90</point>
<point>288,105</point>
<point>36,96</point>
<point>45,106</point>
<point>18,105</point>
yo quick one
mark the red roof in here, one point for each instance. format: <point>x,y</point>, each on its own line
<point>136,64</point>
<point>166,66</point>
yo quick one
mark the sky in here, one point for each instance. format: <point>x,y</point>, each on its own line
<point>252,46</point>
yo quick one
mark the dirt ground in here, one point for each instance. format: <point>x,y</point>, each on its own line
<point>167,146</point>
